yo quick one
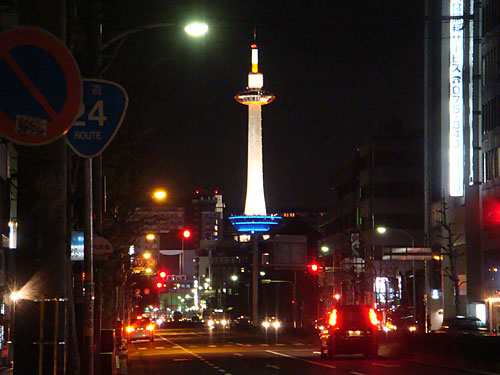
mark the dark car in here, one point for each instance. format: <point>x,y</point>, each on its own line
<point>140,328</point>
<point>463,325</point>
<point>350,329</point>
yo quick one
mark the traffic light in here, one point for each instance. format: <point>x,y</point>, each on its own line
<point>159,285</point>
<point>186,233</point>
<point>314,267</point>
<point>163,274</point>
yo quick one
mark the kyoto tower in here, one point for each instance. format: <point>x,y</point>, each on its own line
<point>255,218</point>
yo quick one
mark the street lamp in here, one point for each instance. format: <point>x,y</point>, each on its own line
<point>159,194</point>
<point>294,294</point>
<point>383,230</point>
<point>150,236</point>
<point>234,278</point>
<point>325,249</point>
<point>196,29</point>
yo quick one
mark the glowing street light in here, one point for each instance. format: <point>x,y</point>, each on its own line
<point>325,249</point>
<point>150,236</point>
<point>15,296</point>
<point>160,194</point>
<point>196,29</point>
<point>381,230</point>
<point>146,255</point>
<point>234,278</point>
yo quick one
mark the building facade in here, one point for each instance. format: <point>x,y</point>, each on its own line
<point>380,186</point>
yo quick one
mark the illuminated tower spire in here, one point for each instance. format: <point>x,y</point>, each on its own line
<point>255,97</point>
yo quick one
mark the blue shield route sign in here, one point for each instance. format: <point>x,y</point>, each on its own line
<point>101,113</point>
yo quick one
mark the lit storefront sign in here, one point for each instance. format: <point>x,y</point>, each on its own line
<point>456,99</point>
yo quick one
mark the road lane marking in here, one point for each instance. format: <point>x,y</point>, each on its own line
<point>142,348</point>
<point>301,359</point>
<point>181,359</point>
<point>298,343</point>
<point>212,346</point>
<point>273,366</point>
<point>160,347</point>
<point>383,365</point>
<point>193,346</point>
<point>195,355</point>
<point>316,352</point>
<point>264,344</point>
<point>239,344</point>
<point>238,354</point>
<point>356,373</point>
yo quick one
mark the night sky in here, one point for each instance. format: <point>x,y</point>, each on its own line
<point>339,69</point>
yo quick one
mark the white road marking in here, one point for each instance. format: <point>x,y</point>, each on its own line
<point>383,365</point>
<point>238,354</point>
<point>239,344</point>
<point>316,352</point>
<point>195,355</point>
<point>301,359</point>
<point>273,366</point>
<point>357,373</point>
<point>160,347</point>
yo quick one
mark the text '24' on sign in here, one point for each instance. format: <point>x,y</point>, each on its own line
<point>101,113</point>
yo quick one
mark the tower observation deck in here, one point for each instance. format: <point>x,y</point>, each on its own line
<point>255,218</point>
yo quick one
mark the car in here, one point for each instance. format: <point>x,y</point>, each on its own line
<point>463,325</point>
<point>350,329</point>
<point>140,328</point>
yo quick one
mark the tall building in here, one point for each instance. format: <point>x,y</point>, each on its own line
<point>379,186</point>
<point>462,128</point>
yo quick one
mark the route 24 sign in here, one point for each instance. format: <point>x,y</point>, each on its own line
<point>101,113</point>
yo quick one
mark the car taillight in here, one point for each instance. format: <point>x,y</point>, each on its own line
<point>333,318</point>
<point>150,327</point>
<point>130,329</point>
<point>373,317</point>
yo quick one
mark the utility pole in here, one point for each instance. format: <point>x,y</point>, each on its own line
<point>91,22</point>
<point>255,280</point>
<point>43,250</point>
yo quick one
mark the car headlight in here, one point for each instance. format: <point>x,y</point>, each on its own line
<point>130,329</point>
<point>150,327</point>
<point>210,323</point>
<point>223,322</point>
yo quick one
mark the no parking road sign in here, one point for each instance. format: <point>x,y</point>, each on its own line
<point>40,89</point>
<point>101,114</point>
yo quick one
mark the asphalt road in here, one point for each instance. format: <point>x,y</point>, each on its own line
<point>198,351</point>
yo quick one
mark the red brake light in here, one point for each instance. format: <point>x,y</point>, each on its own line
<point>333,318</point>
<point>139,317</point>
<point>373,317</point>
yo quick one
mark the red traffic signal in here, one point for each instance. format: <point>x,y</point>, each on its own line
<point>159,285</point>
<point>186,233</point>
<point>163,274</point>
<point>314,267</point>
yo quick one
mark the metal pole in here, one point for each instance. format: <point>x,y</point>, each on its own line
<point>88,362</point>
<point>255,292</point>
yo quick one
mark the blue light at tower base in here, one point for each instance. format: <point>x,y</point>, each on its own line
<point>251,224</point>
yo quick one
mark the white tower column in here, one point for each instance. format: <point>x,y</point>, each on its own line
<point>255,203</point>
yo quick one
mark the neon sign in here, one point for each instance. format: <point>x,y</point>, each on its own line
<point>456,147</point>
